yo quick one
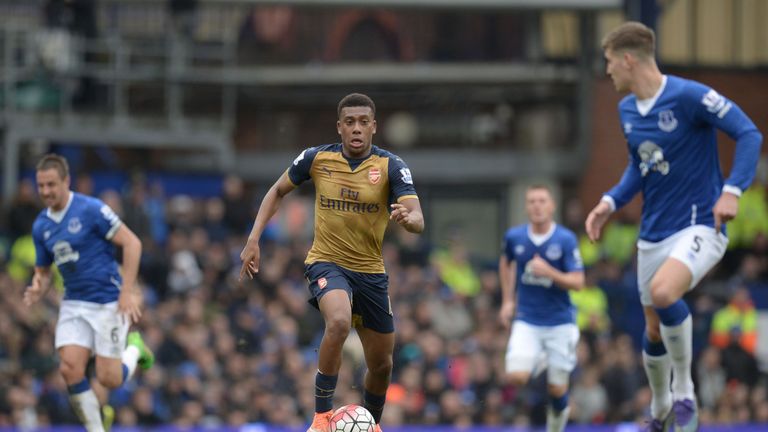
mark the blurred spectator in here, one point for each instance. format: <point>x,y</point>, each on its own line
<point>591,306</point>
<point>238,213</point>
<point>711,378</point>
<point>737,319</point>
<point>454,267</point>
<point>134,211</point>
<point>618,241</point>
<point>589,400</point>
<point>739,365</point>
<point>23,210</point>
<point>751,220</point>
<point>22,258</point>
<point>230,353</point>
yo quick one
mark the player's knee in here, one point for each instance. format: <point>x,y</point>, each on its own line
<point>662,295</point>
<point>337,326</point>
<point>71,373</point>
<point>662,298</point>
<point>518,379</point>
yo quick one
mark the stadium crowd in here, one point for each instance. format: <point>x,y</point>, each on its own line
<point>236,353</point>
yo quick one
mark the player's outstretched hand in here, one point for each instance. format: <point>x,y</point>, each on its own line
<point>129,304</point>
<point>250,258</point>
<point>596,219</point>
<point>725,209</point>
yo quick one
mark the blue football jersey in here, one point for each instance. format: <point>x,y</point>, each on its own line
<point>673,157</point>
<point>77,240</point>
<point>539,300</point>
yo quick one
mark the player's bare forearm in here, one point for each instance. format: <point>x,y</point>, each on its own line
<point>270,204</point>
<point>250,254</point>
<point>408,214</point>
<point>415,223</point>
<point>569,281</point>
<point>131,246</point>
<point>726,208</point>
<point>42,278</point>
<point>41,283</point>
<point>128,302</point>
<point>507,272</point>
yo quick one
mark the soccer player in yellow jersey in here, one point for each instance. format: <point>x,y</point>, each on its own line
<point>359,188</point>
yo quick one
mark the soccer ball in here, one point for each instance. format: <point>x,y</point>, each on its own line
<point>352,418</point>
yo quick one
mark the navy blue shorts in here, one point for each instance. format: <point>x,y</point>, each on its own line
<point>367,292</point>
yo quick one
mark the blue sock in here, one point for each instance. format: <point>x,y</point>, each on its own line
<point>559,403</point>
<point>674,314</point>
<point>374,404</point>
<point>651,348</point>
<point>80,387</point>
<point>125,373</point>
<point>325,386</point>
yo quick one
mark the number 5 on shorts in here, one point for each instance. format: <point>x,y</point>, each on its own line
<point>696,243</point>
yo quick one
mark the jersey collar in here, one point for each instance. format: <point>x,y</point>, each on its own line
<point>58,216</point>
<point>644,106</point>
<point>539,239</point>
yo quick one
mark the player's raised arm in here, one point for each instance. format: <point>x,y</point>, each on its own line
<point>269,205</point>
<point>129,301</point>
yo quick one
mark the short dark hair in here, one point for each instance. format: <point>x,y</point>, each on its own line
<point>356,100</point>
<point>542,186</point>
<point>633,36</point>
<point>54,161</point>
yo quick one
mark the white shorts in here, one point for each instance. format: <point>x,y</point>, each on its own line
<point>98,327</point>
<point>528,341</point>
<point>699,247</point>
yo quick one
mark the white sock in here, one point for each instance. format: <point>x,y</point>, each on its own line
<point>556,421</point>
<point>87,408</point>
<point>130,359</point>
<point>658,369</point>
<point>678,340</point>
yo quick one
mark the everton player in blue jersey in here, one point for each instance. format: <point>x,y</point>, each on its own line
<point>670,125</point>
<point>541,261</point>
<point>79,234</point>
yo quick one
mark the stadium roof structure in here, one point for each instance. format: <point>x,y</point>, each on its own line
<point>213,141</point>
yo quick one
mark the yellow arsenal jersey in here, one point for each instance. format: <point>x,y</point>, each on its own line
<point>352,198</point>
